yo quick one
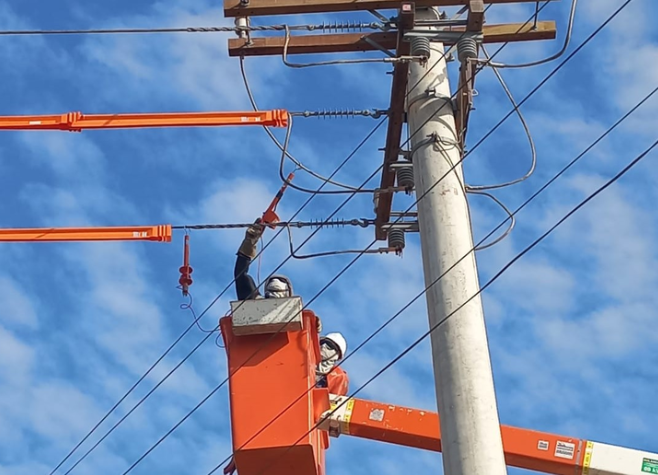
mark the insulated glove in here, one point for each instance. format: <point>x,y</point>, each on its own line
<point>250,241</point>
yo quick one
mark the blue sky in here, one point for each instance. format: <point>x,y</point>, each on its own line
<point>570,325</point>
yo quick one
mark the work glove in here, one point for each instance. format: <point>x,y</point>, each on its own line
<point>249,244</point>
<point>318,324</point>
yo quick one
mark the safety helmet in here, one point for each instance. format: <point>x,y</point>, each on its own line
<point>338,340</point>
<point>278,287</point>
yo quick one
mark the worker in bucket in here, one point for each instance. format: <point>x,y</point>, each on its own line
<point>333,346</point>
<point>277,286</point>
<point>327,374</point>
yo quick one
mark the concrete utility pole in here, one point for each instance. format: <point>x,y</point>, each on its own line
<point>470,428</point>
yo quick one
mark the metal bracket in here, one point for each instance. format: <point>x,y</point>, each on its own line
<point>376,45</point>
<point>442,36</point>
<point>407,226</point>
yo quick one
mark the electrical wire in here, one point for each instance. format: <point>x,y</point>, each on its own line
<point>491,233</point>
<point>575,160</point>
<point>333,253</point>
<point>157,443</point>
<point>306,190</point>
<point>189,306</point>
<point>506,267</point>
<point>531,142</point>
<point>567,40</point>
<point>333,280</point>
<point>77,446</point>
<point>360,222</point>
<point>284,57</point>
<point>196,29</point>
<point>509,215</point>
<point>203,401</point>
<point>299,164</point>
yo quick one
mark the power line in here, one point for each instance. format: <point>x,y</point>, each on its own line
<point>348,25</point>
<point>358,222</point>
<point>333,280</point>
<point>487,285</point>
<point>475,247</point>
<point>284,153</point>
<point>345,161</point>
<point>491,233</point>
<point>567,40</point>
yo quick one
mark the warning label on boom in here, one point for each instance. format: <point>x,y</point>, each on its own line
<point>649,466</point>
<point>565,450</point>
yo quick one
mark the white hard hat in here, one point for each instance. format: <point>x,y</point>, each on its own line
<point>339,340</point>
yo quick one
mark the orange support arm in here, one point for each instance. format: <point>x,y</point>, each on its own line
<point>76,121</point>
<point>528,449</point>
<point>160,233</point>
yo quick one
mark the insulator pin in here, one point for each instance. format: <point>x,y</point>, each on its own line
<point>420,46</point>
<point>396,239</point>
<point>405,176</point>
<point>467,48</point>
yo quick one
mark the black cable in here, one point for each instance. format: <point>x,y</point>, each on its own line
<point>349,157</point>
<point>488,284</point>
<point>284,261</point>
<point>530,199</point>
<point>217,298</point>
<point>298,164</point>
<point>349,265</point>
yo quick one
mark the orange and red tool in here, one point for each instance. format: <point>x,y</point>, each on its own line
<point>269,216</point>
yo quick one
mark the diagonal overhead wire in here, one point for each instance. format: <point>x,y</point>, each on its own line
<point>284,151</point>
<point>530,199</point>
<point>504,269</point>
<point>221,384</point>
<point>215,300</point>
<point>491,233</point>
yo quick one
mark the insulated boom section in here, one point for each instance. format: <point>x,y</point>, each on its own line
<point>524,448</point>
<point>77,121</point>
<point>160,233</point>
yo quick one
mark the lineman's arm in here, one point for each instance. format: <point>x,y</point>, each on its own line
<point>244,284</point>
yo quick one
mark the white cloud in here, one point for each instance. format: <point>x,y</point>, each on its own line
<point>17,306</point>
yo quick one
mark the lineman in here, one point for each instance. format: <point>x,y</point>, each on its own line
<point>333,346</point>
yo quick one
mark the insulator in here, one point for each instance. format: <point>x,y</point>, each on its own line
<point>341,26</point>
<point>396,238</point>
<point>420,46</point>
<point>467,48</point>
<point>405,177</point>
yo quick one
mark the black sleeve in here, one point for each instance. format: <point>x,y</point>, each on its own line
<point>245,286</point>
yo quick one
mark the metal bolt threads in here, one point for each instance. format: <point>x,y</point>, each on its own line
<point>420,47</point>
<point>396,238</point>
<point>405,177</point>
<point>467,48</point>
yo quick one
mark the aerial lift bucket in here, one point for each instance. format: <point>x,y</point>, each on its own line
<point>272,347</point>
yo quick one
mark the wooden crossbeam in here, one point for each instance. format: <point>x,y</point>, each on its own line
<point>354,42</point>
<point>240,8</point>
<point>395,121</point>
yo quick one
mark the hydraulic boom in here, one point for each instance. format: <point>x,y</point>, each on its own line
<point>524,448</point>
<point>77,121</point>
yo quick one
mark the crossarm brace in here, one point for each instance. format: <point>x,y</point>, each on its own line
<point>524,448</point>
<point>77,121</point>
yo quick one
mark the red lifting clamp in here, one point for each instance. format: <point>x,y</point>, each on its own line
<point>186,271</point>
